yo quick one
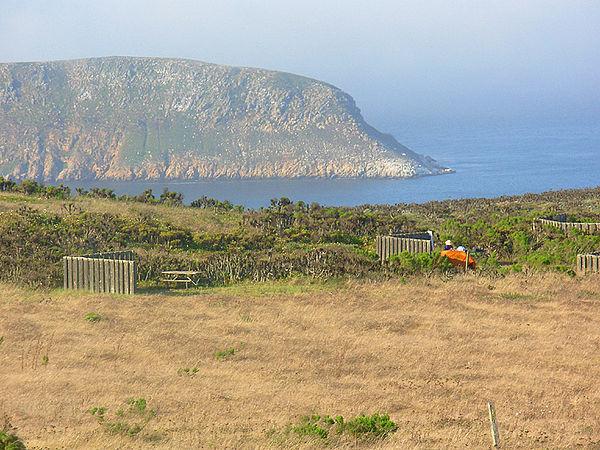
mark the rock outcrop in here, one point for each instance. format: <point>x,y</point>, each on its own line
<point>150,118</point>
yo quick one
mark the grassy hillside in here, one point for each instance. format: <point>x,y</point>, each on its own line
<point>39,225</point>
<point>239,367</point>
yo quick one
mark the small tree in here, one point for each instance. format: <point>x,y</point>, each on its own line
<point>7,185</point>
<point>31,187</point>
<point>171,198</point>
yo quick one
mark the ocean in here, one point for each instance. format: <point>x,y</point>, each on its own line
<point>489,161</point>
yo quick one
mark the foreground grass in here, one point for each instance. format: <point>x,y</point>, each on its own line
<point>247,288</point>
<point>429,353</point>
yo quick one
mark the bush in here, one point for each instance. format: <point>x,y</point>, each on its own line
<point>376,425</point>
<point>224,354</point>
<point>7,185</point>
<point>406,263</point>
<point>171,198</point>
<point>325,427</point>
<point>309,427</point>
<point>10,442</point>
<point>220,268</point>
<point>97,193</point>
<point>93,317</point>
<point>129,420</point>
<point>31,187</point>
<point>205,202</point>
<point>32,243</point>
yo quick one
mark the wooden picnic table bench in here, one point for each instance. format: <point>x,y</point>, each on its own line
<point>181,276</point>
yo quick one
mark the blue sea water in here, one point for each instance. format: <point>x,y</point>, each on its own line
<point>489,161</point>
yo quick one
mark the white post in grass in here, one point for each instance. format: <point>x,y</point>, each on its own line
<point>493,425</point>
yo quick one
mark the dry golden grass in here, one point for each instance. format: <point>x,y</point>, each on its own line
<point>429,353</point>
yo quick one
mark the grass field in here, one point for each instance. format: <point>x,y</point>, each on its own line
<point>428,352</point>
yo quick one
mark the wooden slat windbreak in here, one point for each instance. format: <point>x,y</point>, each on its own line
<point>588,263</point>
<point>413,243</point>
<point>590,228</point>
<point>114,272</point>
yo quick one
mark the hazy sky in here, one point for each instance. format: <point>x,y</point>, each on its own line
<point>403,61</point>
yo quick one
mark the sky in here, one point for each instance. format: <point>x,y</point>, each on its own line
<point>419,62</point>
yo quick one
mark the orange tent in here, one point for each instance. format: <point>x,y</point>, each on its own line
<point>458,258</point>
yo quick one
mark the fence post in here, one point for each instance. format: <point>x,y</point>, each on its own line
<point>126,277</point>
<point>109,275</point>
<point>493,425</point>
<point>86,274</point>
<point>131,277</point>
<point>80,274</point>
<point>65,276</point>
<point>74,268</point>
<point>113,276</point>
<point>120,277</point>
<point>97,276</point>
<point>71,283</point>
<point>135,275</point>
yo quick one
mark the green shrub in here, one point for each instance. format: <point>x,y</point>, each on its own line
<point>406,263</point>
<point>98,411</point>
<point>205,202</point>
<point>171,198</point>
<point>129,420</point>
<point>137,404</point>
<point>521,242</point>
<point>327,428</point>
<point>93,317</point>
<point>10,442</point>
<point>376,425</point>
<point>97,193</point>
<point>224,354</point>
<point>516,268</point>
<point>309,427</point>
<point>490,261</point>
<point>7,185</point>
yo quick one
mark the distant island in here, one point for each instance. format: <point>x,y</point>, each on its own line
<point>126,118</point>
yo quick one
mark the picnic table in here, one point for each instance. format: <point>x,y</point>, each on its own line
<point>186,277</point>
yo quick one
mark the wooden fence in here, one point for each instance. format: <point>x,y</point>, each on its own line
<point>589,263</point>
<point>590,228</point>
<point>114,272</point>
<point>410,242</point>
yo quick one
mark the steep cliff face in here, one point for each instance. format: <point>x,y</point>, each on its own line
<point>149,118</point>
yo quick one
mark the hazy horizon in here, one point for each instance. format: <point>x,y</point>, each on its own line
<point>404,62</point>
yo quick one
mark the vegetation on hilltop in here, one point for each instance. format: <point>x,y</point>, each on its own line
<point>286,239</point>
